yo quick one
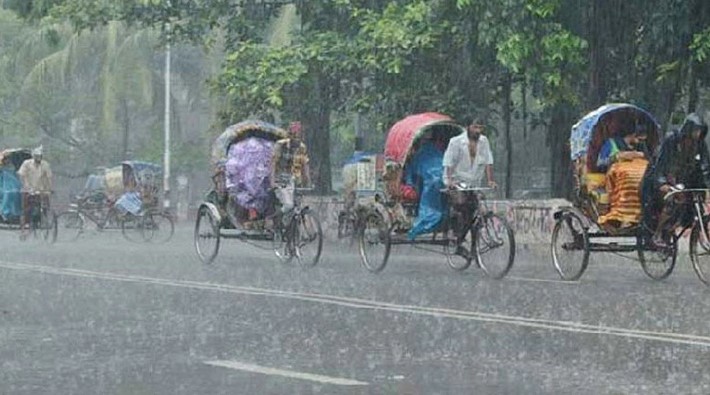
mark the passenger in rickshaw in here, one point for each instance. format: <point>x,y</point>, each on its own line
<point>289,169</point>
<point>247,178</point>
<point>10,185</point>
<point>467,157</point>
<point>624,159</point>
<point>422,180</point>
<point>36,177</point>
<point>684,160</point>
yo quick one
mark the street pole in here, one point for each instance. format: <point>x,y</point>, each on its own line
<point>359,132</point>
<point>166,154</point>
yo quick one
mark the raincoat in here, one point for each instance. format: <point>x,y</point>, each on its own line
<point>425,173</point>
<point>674,166</point>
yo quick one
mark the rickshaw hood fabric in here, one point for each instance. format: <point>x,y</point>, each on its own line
<point>582,135</point>
<point>242,130</point>
<point>403,134</point>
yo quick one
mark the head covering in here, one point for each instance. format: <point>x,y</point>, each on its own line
<point>693,121</point>
<point>295,127</point>
<point>37,151</point>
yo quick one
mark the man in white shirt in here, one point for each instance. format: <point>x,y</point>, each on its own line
<point>466,159</point>
<point>36,177</point>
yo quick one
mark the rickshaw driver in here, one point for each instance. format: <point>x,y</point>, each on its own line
<point>289,168</point>
<point>466,158</point>
<point>683,159</point>
<point>36,177</point>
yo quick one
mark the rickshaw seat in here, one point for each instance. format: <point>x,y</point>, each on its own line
<point>595,185</point>
<point>594,180</point>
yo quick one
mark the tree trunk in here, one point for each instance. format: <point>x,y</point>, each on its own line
<point>561,120</point>
<point>316,126</point>
<point>692,87</point>
<point>596,93</point>
<point>507,88</point>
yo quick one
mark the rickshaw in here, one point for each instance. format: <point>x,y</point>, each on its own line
<point>40,218</point>
<point>242,206</point>
<point>389,218</point>
<point>124,197</point>
<point>360,175</point>
<point>578,232</point>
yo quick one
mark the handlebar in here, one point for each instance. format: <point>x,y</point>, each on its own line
<point>676,191</point>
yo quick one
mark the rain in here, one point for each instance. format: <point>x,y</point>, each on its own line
<point>354,197</point>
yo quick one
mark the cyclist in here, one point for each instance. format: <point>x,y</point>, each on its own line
<point>683,159</point>
<point>289,168</point>
<point>36,177</point>
<point>467,157</point>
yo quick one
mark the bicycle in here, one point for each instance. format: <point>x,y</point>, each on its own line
<point>485,234</point>
<point>145,226</point>
<point>699,243</point>
<point>40,218</point>
<point>301,230</point>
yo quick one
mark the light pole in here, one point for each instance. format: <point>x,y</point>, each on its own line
<point>166,153</point>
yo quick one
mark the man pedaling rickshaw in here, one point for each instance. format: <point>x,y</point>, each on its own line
<point>289,169</point>
<point>683,162</point>
<point>467,157</point>
<point>36,177</point>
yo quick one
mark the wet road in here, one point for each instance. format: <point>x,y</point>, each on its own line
<point>105,316</point>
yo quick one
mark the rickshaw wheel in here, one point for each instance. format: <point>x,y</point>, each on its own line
<point>570,247</point>
<point>374,243</point>
<point>158,227</point>
<point>700,251</point>
<point>207,235</point>
<point>657,264</point>
<point>494,245</point>
<point>455,261</point>
<point>308,239</point>
<point>68,226</point>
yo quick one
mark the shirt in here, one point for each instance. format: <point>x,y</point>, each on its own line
<point>465,169</point>
<point>35,177</point>
<point>290,158</point>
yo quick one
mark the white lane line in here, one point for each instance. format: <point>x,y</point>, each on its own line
<point>553,325</point>
<point>542,280</point>
<point>284,373</point>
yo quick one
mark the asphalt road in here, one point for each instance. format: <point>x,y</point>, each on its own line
<point>105,316</point>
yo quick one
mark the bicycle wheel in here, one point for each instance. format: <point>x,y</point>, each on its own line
<point>207,235</point>
<point>69,225</point>
<point>374,243</point>
<point>494,245</point>
<point>459,262</point>
<point>700,251</point>
<point>657,263</point>
<point>570,247</point>
<point>307,238</point>
<point>158,227</point>
<point>132,228</point>
<point>46,226</point>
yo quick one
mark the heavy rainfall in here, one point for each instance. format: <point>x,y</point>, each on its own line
<point>354,197</point>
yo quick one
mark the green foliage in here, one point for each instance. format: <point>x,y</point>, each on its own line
<point>701,45</point>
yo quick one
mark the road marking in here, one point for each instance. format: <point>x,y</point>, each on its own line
<point>284,373</point>
<point>536,323</point>
<point>542,280</point>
